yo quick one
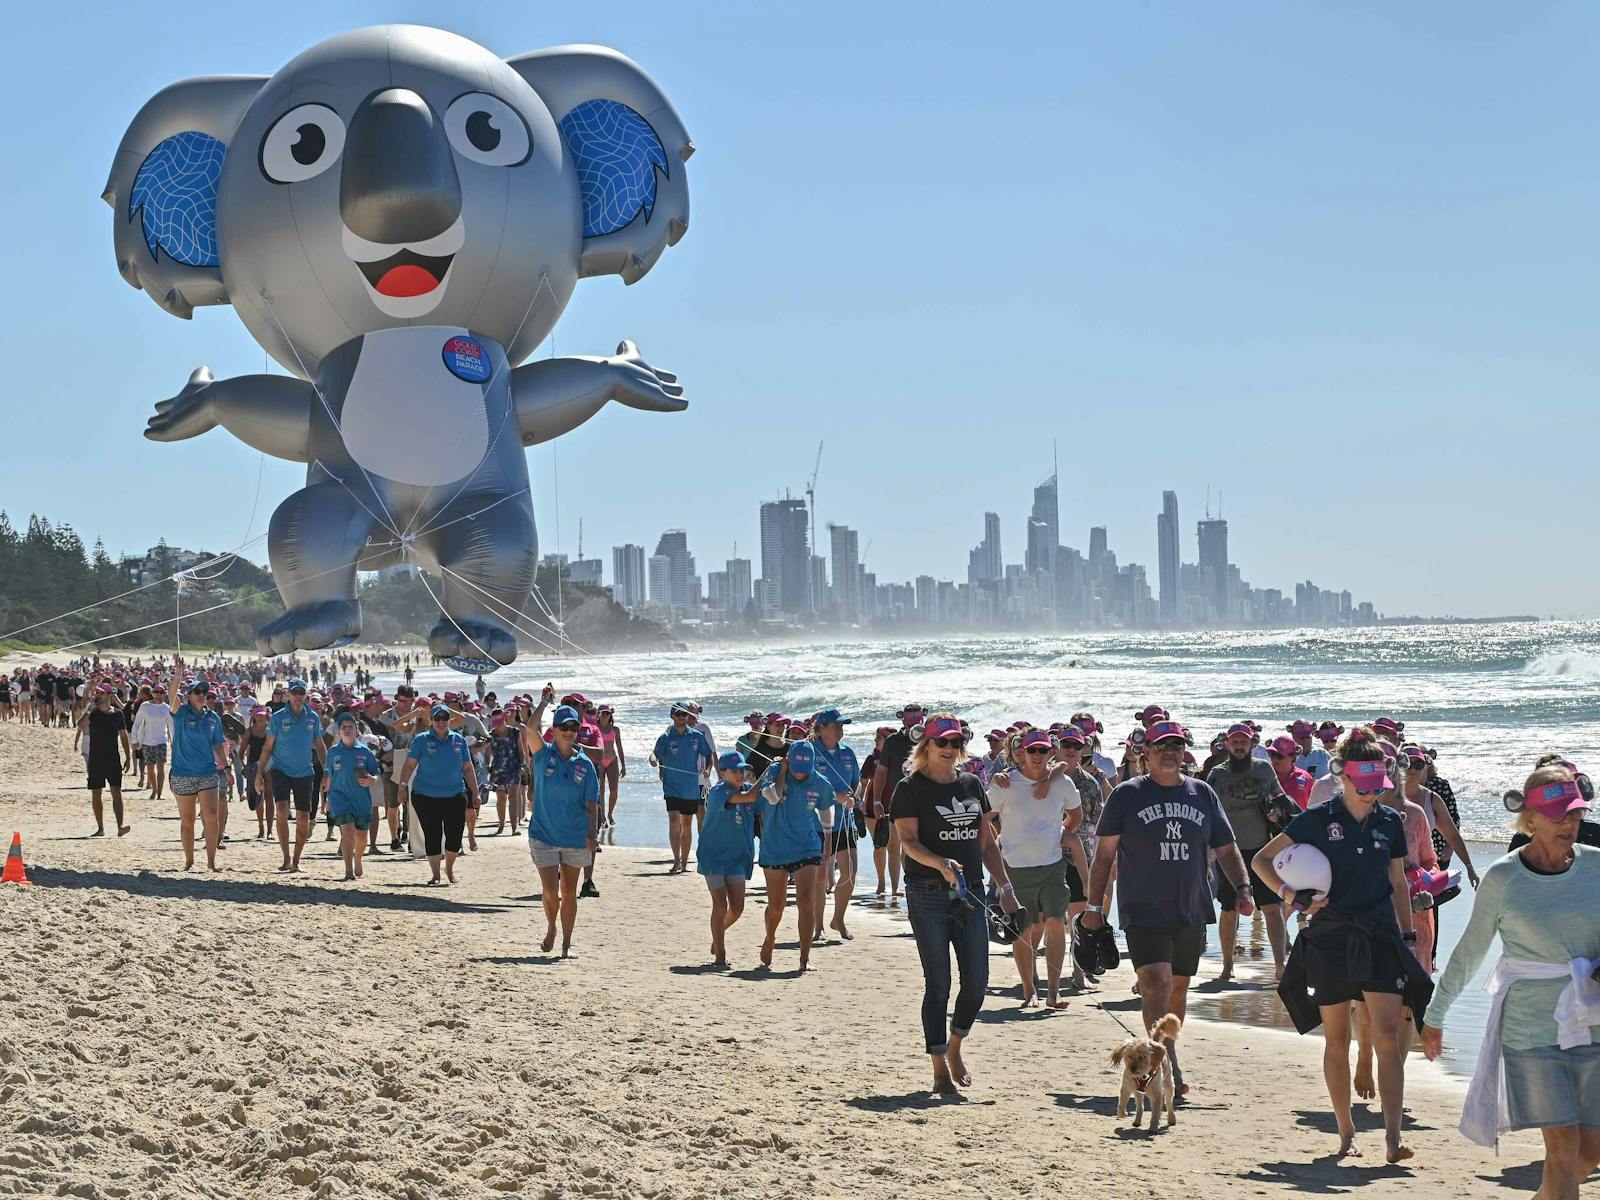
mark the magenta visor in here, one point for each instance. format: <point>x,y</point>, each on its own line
<point>1165,729</point>
<point>943,727</point>
<point>1369,777</point>
<point>1556,800</point>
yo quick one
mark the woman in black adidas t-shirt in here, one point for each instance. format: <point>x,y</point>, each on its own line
<point>946,833</point>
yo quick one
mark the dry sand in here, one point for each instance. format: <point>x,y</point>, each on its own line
<point>170,1034</point>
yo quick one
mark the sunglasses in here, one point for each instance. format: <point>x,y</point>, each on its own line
<point>569,727</point>
<point>947,743</point>
<point>1168,744</point>
<point>1037,750</point>
<point>1416,764</point>
<point>1275,754</point>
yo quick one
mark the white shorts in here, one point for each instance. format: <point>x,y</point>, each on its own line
<point>545,856</point>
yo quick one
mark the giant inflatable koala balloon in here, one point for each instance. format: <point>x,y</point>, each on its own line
<point>399,217</point>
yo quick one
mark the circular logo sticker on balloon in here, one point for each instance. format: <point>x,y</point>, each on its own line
<point>465,358</point>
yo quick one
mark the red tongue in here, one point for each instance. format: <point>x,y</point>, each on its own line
<point>409,280</point>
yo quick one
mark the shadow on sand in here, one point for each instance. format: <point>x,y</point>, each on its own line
<point>240,891</point>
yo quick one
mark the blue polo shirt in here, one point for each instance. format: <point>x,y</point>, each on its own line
<point>564,790</point>
<point>789,830</point>
<point>439,761</point>
<point>1359,851</point>
<point>679,755</point>
<point>193,735</point>
<point>294,737</point>
<point>840,771</point>
<point>728,838</point>
<point>345,795</point>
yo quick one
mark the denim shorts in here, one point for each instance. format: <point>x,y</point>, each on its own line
<point>1550,1087</point>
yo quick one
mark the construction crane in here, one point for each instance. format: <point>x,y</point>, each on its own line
<point>811,503</point>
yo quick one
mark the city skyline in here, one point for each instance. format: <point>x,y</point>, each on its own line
<point>1055,586</point>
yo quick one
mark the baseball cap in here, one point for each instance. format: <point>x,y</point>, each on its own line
<point>1165,729</point>
<point>911,708</point>
<point>1071,735</point>
<point>1387,725</point>
<point>1556,800</point>
<point>1240,729</point>
<point>346,717</point>
<point>942,727</point>
<point>565,714</point>
<point>731,760</point>
<point>1283,745</point>
<point>802,757</point>
<point>1151,713</point>
<point>678,706</point>
<point>1301,729</point>
<point>297,685</point>
<point>1369,776</point>
<point>439,710</point>
<point>996,735</point>
<point>1037,737</point>
<point>830,716</point>
<point>1328,731</point>
<point>199,685</point>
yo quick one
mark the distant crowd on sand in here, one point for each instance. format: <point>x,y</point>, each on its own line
<point>1022,835</point>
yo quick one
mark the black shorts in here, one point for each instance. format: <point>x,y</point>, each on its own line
<point>1075,892</point>
<point>105,773</point>
<point>1329,981</point>
<point>791,868</point>
<point>880,832</point>
<point>1178,945</point>
<point>302,789</point>
<point>1264,895</point>
<point>844,837</point>
<point>682,805</point>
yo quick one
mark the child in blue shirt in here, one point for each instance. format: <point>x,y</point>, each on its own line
<point>350,771</point>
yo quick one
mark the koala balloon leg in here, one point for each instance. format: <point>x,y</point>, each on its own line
<point>486,558</point>
<point>315,541</point>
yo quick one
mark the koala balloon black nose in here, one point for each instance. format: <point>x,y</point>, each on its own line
<point>398,180</point>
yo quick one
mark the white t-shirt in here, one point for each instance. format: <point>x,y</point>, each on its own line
<point>1030,828</point>
<point>1325,788</point>
<point>152,723</point>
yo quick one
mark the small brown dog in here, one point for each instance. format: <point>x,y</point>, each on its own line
<point>1147,1073</point>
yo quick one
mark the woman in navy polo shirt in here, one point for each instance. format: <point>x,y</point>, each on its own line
<point>1354,948</point>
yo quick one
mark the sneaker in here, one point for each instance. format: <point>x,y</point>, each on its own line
<point>588,891</point>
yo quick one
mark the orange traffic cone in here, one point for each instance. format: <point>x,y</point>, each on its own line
<point>14,872</point>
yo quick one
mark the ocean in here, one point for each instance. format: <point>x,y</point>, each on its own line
<point>1490,698</point>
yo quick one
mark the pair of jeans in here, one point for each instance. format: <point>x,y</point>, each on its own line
<point>937,929</point>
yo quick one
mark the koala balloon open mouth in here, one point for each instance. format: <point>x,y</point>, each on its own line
<point>406,280</point>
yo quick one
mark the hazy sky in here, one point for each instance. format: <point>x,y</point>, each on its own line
<point>1337,262</point>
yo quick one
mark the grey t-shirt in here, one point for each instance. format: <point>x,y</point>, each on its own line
<point>1244,794</point>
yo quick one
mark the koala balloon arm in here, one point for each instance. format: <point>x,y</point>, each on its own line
<point>555,395</point>
<point>271,413</point>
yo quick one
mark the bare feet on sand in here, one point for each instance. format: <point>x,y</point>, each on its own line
<point>844,933</point>
<point>549,942</point>
<point>1056,1002</point>
<point>1363,1082</point>
<point>125,831</point>
<point>958,1069</point>
<point>1398,1152</point>
<point>1347,1144</point>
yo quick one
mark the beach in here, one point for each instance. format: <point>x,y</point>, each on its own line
<point>170,1034</point>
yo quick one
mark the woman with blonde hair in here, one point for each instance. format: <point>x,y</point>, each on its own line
<point>1539,1060</point>
<point>947,834</point>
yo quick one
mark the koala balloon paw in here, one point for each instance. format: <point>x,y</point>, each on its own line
<point>471,638</point>
<point>639,385</point>
<point>310,627</point>
<point>186,414</point>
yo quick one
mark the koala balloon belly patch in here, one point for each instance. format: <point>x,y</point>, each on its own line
<point>414,409</point>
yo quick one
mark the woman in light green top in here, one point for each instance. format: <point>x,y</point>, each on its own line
<point>1543,1036</point>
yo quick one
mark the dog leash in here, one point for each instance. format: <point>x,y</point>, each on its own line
<point>1117,1019</point>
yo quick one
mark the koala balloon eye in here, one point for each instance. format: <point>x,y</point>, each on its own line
<point>302,143</point>
<point>487,130</point>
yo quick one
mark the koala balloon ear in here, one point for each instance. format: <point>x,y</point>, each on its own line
<point>629,146</point>
<point>163,190</point>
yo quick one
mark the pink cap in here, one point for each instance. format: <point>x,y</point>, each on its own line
<point>1038,737</point>
<point>1556,800</point>
<point>1283,745</point>
<point>1369,776</point>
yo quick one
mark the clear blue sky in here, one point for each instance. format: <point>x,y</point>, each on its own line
<point>1337,261</point>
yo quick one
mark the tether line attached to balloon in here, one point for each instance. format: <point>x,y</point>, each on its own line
<point>470,515</point>
<point>511,408</point>
<point>506,607</point>
<point>599,661</point>
<point>486,655</point>
<point>393,522</point>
